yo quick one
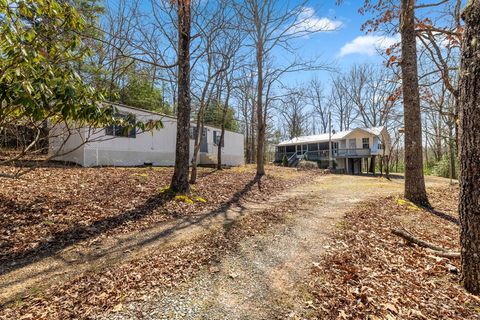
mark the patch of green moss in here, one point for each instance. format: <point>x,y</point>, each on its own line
<point>166,190</point>
<point>200,199</point>
<point>406,203</point>
<point>182,198</point>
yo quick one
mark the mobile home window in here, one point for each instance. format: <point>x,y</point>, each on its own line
<point>365,143</point>
<point>216,138</point>
<point>122,131</point>
<point>193,132</point>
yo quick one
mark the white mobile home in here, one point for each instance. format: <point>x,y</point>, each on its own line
<point>112,146</point>
<point>351,149</point>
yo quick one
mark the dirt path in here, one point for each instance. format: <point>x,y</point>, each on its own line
<point>259,280</point>
<point>26,276</point>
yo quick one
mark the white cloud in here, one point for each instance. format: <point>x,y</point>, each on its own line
<point>308,21</point>
<point>369,45</point>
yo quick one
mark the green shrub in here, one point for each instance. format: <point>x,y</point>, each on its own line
<point>285,160</point>
<point>307,165</point>
<point>442,167</point>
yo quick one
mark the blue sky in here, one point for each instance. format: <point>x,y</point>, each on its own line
<point>338,49</point>
<point>343,47</point>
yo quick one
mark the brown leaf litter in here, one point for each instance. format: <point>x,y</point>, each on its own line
<point>369,273</point>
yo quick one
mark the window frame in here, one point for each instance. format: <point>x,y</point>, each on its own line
<point>217,135</point>
<point>367,143</point>
<point>120,131</point>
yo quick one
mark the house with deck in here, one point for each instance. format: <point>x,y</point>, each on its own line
<point>114,146</point>
<point>351,151</point>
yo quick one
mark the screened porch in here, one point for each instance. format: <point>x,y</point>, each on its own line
<point>313,151</point>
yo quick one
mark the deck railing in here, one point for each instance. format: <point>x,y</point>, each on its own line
<point>279,155</point>
<point>317,155</point>
<point>310,155</point>
<point>323,154</point>
<point>353,152</point>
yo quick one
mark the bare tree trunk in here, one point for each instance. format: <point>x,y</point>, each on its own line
<point>387,166</point>
<point>469,207</point>
<point>224,119</point>
<point>260,119</point>
<point>451,156</point>
<point>414,180</point>
<point>253,126</point>
<point>199,132</point>
<point>426,143</point>
<point>438,141</point>
<point>196,148</point>
<point>180,174</point>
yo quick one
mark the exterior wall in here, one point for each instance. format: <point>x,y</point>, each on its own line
<point>374,140</point>
<point>340,163</point>
<point>375,143</point>
<point>156,148</point>
<point>72,149</point>
<point>358,135</point>
<point>233,148</point>
<point>386,142</point>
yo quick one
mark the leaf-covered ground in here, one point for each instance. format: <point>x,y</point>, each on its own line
<point>369,273</point>
<point>52,208</point>
<point>97,291</point>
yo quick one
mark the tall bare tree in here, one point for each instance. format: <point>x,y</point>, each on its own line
<point>214,64</point>
<point>414,179</point>
<point>317,99</point>
<point>180,174</point>
<point>292,107</point>
<point>342,106</point>
<point>245,94</point>
<point>273,25</point>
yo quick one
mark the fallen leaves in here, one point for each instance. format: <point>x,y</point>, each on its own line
<point>368,273</point>
<point>108,289</point>
<point>52,208</point>
<point>93,212</point>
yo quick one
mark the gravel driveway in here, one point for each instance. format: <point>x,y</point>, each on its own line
<point>260,279</point>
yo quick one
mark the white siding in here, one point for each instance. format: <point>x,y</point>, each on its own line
<point>157,147</point>
<point>233,148</point>
<point>72,149</point>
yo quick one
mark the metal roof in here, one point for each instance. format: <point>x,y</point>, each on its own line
<point>325,136</point>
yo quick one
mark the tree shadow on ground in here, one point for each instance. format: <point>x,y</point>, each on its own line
<point>78,233</point>
<point>443,215</point>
